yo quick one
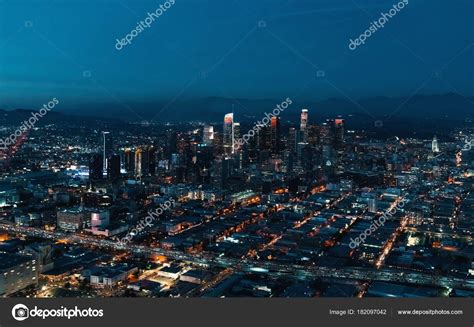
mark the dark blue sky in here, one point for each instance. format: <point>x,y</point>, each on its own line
<point>220,38</point>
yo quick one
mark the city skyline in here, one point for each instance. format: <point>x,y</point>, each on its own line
<point>306,209</point>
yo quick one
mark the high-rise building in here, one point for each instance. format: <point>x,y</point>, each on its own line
<point>304,124</point>
<point>106,150</point>
<point>288,160</point>
<point>339,132</point>
<point>208,135</point>
<point>151,152</point>
<point>263,137</point>
<point>326,134</point>
<point>275,135</point>
<point>129,160</point>
<point>313,135</point>
<point>113,169</point>
<point>435,145</point>
<point>138,163</point>
<point>292,139</point>
<point>228,134</point>
<point>204,160</point>
<point>303,154</point>
<point>236,131</point>
<point>145,161</point>
<point>172,142</point>
<point>222,171</point>
<point>96,167</point>
<point>372,204</point>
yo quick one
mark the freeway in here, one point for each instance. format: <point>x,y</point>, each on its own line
<point>247,265</point>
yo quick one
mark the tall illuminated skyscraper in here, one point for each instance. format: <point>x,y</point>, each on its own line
<point>275,135</point>
<point>339,132</point>
<point>138,163</point>
<point>236,131</point>
<point>304,124</point>
<point>106,150</point>
<point>228,133</point>
<point>208,135</point>
<point>129,160</point>
<point>435,145</point>
<point>145,161</point>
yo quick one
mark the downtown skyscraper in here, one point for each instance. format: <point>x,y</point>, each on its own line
<point>228,134</point>
<point>304,124</point>
<point>106,150</point>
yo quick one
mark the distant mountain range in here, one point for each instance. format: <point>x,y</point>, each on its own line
<point>416,114</point>
<point>447,106</point>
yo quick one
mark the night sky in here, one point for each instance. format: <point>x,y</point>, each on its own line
<point>198,48</point>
